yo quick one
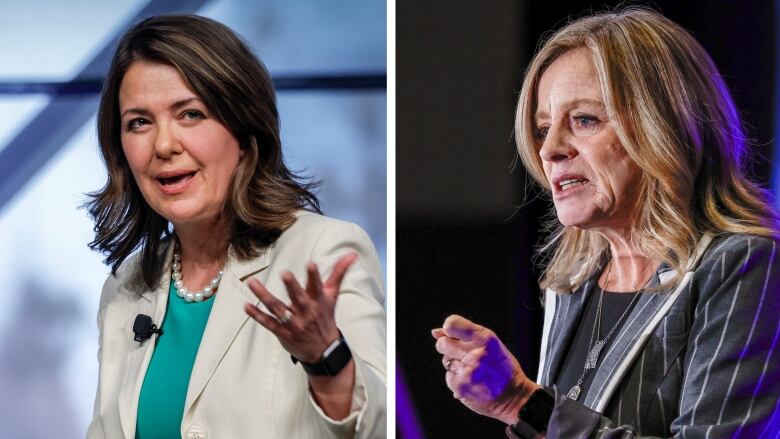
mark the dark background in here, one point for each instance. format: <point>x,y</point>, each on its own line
<point>467,222</point>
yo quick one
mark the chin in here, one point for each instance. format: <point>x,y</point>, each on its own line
<point>574,219</point>
<point>180,214</point>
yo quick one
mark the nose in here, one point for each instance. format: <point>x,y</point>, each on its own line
<point>166,143</point>
<point>556,147</point>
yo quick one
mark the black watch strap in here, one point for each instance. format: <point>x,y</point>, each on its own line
<point>333,360</point>
<point>535,413</point>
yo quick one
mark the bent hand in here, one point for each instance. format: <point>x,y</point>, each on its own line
<point>308,326</point>
<point>481,372</point>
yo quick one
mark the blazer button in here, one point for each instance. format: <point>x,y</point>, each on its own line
<point>196,432</point>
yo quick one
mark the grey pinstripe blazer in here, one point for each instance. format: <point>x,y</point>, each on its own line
<point>709,369</point>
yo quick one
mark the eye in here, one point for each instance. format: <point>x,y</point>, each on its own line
<point>192,115</point>
<point>136,123</point>
<point>585,121</point>
<point>541,132</point>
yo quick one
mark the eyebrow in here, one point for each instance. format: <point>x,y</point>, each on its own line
<point>541,114</point>
<point>176,105</point>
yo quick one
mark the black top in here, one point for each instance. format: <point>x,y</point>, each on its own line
<point>611,309</point>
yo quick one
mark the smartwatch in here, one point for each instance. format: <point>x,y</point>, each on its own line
<point>333,360</point>
<point>535,413</point>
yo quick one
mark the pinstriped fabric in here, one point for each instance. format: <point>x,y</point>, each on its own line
<point>554,331</point>
<point>563,329</point>
<point>749,339</point>
<point>758,386</point>
<point>645,309</point>
<point>775,418</point>
<point>734,298</point>
<point>711,368</point>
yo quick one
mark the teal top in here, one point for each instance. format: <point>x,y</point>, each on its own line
<point>161,404</point>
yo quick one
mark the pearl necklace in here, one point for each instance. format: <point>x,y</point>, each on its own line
<point>182,291</point>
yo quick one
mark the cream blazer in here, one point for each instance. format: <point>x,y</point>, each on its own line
<point>243,383</point>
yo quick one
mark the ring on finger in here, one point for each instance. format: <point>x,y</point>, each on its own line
<point>286,317</point>
<point>447,364</point>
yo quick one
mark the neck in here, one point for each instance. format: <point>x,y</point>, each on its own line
<point>203,252</point>
<point>630,269</point>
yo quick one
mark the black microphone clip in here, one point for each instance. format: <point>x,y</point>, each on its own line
<point>144,328</point>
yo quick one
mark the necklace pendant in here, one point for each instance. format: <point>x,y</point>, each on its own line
<point>574,393</point>
<point>593,354</point>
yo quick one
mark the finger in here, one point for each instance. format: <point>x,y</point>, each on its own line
<point>276,306</point>
<point>437,332</point>
<point>337,275</point>
<point>455,381</point>
<point>462,328</point>
<point>451,364</point>
<point>264,319</point>
<point>452,348</point>
<point>298,297</point>
<point>313,282</point>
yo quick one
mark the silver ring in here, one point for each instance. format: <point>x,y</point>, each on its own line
<point>447,365</point>
<point>286,317</point>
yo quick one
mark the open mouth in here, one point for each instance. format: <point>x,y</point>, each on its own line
<point>175,179</point>
<point>571,183</point>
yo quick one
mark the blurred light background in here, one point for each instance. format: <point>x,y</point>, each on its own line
<point>49,160</point>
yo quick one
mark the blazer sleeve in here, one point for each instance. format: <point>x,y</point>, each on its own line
<point>731,367</point>
<point>361,317</point>
<point>95,429</point>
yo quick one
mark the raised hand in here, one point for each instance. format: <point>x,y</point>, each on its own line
<point>308,326</point>
<point>481,372</point>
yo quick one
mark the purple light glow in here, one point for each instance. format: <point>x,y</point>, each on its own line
<point>406,416</point>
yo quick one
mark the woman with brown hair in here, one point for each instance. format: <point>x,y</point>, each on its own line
<point>211,237</point>
<point>662,278</point>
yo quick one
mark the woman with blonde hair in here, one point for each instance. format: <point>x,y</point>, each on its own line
<point>270,315</point>
<point>662,279</point>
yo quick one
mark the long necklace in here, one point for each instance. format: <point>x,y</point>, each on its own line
<point>594,349</point>
<point>182,291</point>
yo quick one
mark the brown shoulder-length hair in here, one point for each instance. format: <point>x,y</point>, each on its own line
<point>676,120</point>
<point>235,86</point>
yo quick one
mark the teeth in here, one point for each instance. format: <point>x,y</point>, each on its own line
<point>566,184</point>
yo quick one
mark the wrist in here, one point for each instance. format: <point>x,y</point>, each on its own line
<point>522,394</point>
<point>534,416</point>
<point>336,385</point>
<point>334,393</point>
<point>333,360</point>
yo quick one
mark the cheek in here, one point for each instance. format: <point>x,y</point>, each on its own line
<point>135,156</point>
<point>621,174</point>
<point>225,162</point>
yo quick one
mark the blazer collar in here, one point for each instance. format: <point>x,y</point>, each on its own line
<point>227,317</point>
<point>134,284</point>
<point>568,312</point>
<point>153,303</point>
<point>617,355</point>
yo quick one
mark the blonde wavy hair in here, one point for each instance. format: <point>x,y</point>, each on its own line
<point>676,120</point>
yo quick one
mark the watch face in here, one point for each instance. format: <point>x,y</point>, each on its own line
<point>537,411</point>
<point>333,361</point>
<point>337,358</point>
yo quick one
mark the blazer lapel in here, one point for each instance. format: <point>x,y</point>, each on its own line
<point>616,360</point>
<point>153,303</point>
<point>567,316</point>
<point>226,319</point>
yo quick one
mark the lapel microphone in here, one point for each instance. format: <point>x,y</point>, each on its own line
<point>144,328</point>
